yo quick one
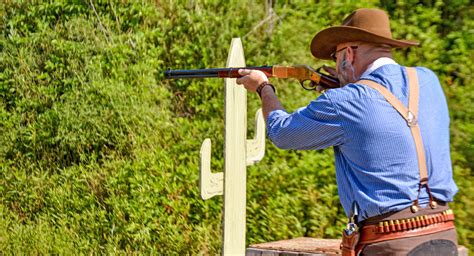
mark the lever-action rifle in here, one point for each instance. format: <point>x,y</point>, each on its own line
<point>307,76</point>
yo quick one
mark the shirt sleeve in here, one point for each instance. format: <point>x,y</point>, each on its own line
<point>315,126</point>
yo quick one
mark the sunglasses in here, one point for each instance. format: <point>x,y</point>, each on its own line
<point>333,55</point>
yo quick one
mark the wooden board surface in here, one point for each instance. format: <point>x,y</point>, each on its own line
<point>305,245</point>
<point>235,159</point>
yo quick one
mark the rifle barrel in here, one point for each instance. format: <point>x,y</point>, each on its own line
<point>175,76</point>
<point>198,73</point>
<point>211,72</point>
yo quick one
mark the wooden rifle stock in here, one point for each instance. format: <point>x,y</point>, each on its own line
<point>308,77</point>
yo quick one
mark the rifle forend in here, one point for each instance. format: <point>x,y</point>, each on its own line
<point>307,76</point>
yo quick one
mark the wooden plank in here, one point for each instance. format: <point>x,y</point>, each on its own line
<point>210,184</point>
<point>256,146</point>
<point>462,251</point>
<point>300,246</point>
<point>265,252</point>
<point>235,157</point>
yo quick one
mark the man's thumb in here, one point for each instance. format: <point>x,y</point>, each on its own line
<point>244,72</point>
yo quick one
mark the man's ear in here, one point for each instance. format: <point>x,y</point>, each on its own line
<point>350,54</point>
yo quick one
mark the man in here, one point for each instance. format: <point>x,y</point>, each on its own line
<point>389,126</point>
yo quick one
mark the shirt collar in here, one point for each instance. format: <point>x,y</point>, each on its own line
<point>377,64</point>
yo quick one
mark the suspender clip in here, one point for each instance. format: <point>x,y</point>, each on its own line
<point>411,119</point>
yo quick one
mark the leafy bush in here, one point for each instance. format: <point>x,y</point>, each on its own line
<point>99,154</point>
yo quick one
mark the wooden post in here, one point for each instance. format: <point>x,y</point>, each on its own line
<point>238,153</point>
<point>235,157</point>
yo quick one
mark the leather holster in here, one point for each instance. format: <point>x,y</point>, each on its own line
<point>349,243</point>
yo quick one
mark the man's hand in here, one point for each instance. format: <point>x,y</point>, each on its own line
<point>332,71</point>
<point>251,79</point>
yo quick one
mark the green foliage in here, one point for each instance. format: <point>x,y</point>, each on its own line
<point>99,154</point>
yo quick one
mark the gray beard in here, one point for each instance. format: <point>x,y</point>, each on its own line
<point>343,75</point>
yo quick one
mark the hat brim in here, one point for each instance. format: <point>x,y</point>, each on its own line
<point>325,42</point>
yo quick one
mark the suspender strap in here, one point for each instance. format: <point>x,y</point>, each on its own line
<point>410,114</point>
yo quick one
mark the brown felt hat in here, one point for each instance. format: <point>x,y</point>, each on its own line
<point>363,25</point>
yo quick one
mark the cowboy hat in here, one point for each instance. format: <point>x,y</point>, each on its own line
<point>363,25</point>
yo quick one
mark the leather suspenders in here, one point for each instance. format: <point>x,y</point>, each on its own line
<point>410,114</point>
<point>353,240</point>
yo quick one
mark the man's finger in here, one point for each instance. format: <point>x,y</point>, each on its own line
<point>330,70</point>
<point>242,80</point>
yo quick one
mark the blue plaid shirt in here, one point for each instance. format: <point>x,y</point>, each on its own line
<point>376,161</point>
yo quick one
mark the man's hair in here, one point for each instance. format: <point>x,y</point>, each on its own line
<point>377,50</point>
<point>382,48</point>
